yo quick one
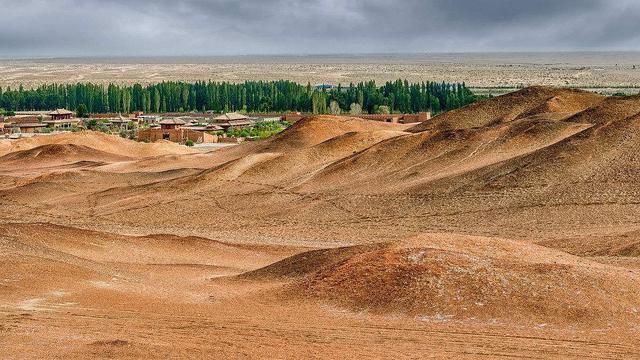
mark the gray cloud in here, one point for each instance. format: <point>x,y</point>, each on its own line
<point>224,27</point>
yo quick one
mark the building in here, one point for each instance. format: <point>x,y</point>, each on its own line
<point>61,114</point>
<point>119,123</point>
<point>293,117</point>
<point>206,128</point>
<point>398,118</point>
<point>174,130</point>
<point>237,124</point>
<point>178,135</point>
<point>232,121</point>
<point>62,124</point>
<point>234,116</point>
<point>171,124</point>
<point>27,128</point>
<point>149,119</point>
<point>23,124</point>
<point>416,118</point>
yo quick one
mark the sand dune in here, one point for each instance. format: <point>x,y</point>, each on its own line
<point>51,155</point>
<point>521,104</point>
<point>460,277</point>
<point>96,140</point>
<point>417,160</point>
<point>506,228</point>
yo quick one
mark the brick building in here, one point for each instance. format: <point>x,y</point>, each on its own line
<point>174,130</point>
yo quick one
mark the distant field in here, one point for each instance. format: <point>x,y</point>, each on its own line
<point>485,73</point>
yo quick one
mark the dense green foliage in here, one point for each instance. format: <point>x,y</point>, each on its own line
<point>260,130</point>
<point>7,112</point>
<point>252,96</point>
<point>82,111</point>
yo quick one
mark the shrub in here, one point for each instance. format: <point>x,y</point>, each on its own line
<point>82,111</point>
<point>189,143</point>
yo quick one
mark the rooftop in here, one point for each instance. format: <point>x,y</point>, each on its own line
<point>231,116</point>
<point>61,112</point>
<point>28,125</point>
<point>172,122</point>
<point>203,128</point>
<point>61,121</point>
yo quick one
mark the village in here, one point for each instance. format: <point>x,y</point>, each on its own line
<point>191,129</point>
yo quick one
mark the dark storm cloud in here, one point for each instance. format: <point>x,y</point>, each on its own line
<point>219,27</point>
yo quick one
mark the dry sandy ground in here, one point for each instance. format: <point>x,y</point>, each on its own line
<point>606,72</point>
<point>509,228</point>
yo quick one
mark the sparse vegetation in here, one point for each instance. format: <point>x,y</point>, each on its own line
<point>261,130</point>
<point>97,125</point>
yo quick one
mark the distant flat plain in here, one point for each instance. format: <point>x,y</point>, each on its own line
<point>607,72</point>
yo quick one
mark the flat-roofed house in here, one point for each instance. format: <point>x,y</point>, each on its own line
<point>120,122</point>
<point>210,127</point>
<point>66,123</point>
<point>293,117</point>
<point>398,118</point>
<point>27,128</point>
<point>175,131</point>
<point>149,119</point>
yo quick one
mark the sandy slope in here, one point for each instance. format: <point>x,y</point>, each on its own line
<point>508,228</point>
<point>98,141</point>
<point>553,103</point>
<point>462,277</point>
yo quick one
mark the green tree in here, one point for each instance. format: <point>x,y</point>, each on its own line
<point>82,111</point>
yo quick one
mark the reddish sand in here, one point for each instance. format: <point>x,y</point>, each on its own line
<point>509,228</point>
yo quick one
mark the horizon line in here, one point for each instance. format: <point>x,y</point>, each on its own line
<point>303,55</point>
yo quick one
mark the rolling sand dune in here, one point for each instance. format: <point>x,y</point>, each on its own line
<point>517,105</point>
<point>57,155</point>
<point>473,278</point>
<point>97,141</point>
<point>508,228</point>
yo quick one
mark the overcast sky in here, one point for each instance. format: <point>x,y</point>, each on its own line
<point>45,28</point>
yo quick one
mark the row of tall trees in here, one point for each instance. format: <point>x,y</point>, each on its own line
<point>251,96</point>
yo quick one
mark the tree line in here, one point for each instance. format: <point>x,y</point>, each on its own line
<point>252,96</point>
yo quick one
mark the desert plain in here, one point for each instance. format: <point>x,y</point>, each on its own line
<point>484,73</point>
<point>508,228</point>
